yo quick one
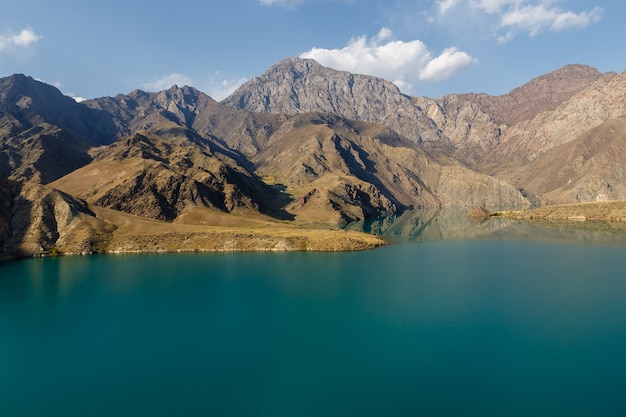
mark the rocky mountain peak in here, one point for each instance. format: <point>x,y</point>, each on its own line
<point>32,100</point>
<point>296,85</point>
<point>542,93</point>
<point>296,66</point>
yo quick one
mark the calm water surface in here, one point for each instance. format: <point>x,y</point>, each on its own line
<point>450,328</point>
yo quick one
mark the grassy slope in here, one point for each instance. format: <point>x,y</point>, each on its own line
<point>224,233</point>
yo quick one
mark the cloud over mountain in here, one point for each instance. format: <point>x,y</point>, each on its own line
<point>167,81</point>
<point>220,89</point>
<point>402,62</point>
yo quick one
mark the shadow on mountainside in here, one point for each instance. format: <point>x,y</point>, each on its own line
<point>14,214</point>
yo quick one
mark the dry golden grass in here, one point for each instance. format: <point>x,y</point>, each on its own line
<point>136,234</point>
<point>600,211</point>
<point>607,217</point>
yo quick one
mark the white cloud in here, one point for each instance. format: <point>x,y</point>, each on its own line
<point>167,81</point>
<point>284,3</point>
<point>494,6</point>
<point>445,65</point>
<point>570,20</point>
<point>446,5</point>
<point>403,63</point>
<point>536,19</point>
<point>78,99</point>
<point>219,90</point>
<point>23,39</point>
<point>511,17</point>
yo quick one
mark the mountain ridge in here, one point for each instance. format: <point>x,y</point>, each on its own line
<point>304,144</point>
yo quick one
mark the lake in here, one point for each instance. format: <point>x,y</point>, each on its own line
<point>502,324</point>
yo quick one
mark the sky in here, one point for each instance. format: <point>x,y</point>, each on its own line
<point>92,49</point>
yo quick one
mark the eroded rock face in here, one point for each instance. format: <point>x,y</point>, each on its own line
<point>39,220</point>
<point>601,101</point>
<point>544,93</point>
<point>486,134</point>
<point>296,86</point>
<point>152,177</point>
<point>587,169</point>
<point>366,170</point>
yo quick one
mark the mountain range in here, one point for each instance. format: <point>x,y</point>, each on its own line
<point>299,145</point>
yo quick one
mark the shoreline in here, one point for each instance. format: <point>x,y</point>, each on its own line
<point>222,240</point>
<point>608,211</point>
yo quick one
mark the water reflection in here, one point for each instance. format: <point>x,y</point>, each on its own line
<point>435,225</point>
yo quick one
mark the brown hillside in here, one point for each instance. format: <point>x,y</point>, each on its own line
<point>155,178</point>
<point>590,168</point>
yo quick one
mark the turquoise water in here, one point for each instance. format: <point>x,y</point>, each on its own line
<point>450,328</point>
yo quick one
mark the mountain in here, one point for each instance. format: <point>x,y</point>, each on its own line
<point>540,94</point>
<point>588,168</point>
<point>36,219</point>
<point>340,170</point>
<point>351,191</point>
<point>44,134</point>
<point>491,135</point>
<point>599,102</point>
<point>160,178</point>
<point>296,85</point>
<point>185,107</point>
<point>301,144</point>
<point>466,126</point>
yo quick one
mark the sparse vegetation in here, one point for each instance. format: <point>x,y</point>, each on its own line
<point>176,171</point>
<point>608,216</point>
<point>599,211</point>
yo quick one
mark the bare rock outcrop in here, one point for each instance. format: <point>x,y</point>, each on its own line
<point>296,85</point>
<point>37,220</point>
<point>601,101</point>
<point>590,168</point>
<point>541,94</point>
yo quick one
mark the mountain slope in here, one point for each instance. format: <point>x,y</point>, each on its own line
<point>38,220</point>
<point>601,101</point>
<point>478,124</point>
<point>359,170</point>
<point>147,175</point>
<point>188,108</point>
<point>543,93</point>
<point>296,85</point>
<point>44,134</point>
<point>589,168</point>
<point>466,126</point>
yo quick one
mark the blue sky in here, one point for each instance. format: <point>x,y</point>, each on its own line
<point>93,49</point>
